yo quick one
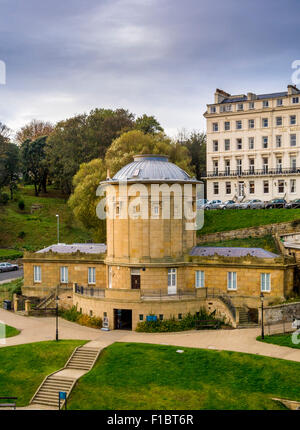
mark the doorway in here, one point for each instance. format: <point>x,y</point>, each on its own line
<point>122,319</point>
<point>135,279</point>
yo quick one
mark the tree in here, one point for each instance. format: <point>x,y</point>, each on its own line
<point>148,124</point>
<point>4,146</point>
<point>33,130</point>
<point>134,142</point>
<point>195,142</point>
<point>84,201</point>
<point>11,168</point>
<point>35,164</point>
<point>81,139</point>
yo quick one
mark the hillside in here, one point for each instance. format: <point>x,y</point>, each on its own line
<point>21,229</point>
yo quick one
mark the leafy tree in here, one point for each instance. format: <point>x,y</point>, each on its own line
<point>35,164</point>
<point>33,130</point>
<point>134,142</point>
<point>81,139</point>
<point>195,142</point>
<point>148,124</point>
<point>11,164</point>
<point>83,201</point>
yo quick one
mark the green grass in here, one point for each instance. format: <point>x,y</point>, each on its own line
<point>22,230</point>
<point>224,220</point>
<point>143,376</point>
<point>265,242</point>
<point>7,289</point>
<point>10,254</point>
<point>280,339</point>
<point>23,367</point>
<point>9,331</point>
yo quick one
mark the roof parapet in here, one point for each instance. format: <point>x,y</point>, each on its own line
<point>292,89</point>
<point>220,95</point>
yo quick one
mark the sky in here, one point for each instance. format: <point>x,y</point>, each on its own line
<point>160,57</point>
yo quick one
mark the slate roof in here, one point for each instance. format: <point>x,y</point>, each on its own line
<point>226,251</point>
<point>152,167</point>
<point>258,97</point>
<point>85,248</point>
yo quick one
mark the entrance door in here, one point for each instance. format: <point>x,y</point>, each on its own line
<point>123,319</point>
<point>241,189</point>
<point>135,279</point>
<point>172,281</point>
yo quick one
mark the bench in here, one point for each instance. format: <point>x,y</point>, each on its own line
<point>202,324</point>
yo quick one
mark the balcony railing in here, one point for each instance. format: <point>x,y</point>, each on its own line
<point>163,294</point>
<point>252,172</point>
<point>90,291</point>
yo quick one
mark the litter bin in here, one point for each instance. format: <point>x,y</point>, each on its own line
<point>7,305</point>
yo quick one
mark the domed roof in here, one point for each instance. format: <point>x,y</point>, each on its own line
<point>151,167</point>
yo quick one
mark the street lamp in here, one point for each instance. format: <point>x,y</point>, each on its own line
<point>262,315</point>
<point>56,313</point>
<point>57,217</point>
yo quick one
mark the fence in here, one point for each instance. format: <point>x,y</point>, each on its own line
<point>91,292</point>
<point>164,295</point>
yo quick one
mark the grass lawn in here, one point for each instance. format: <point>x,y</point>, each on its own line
<point>224,220</point>
<point>281,339</point>
<point>23,367</point>
<point>23,230</point>
<point>143,376</point>
<point>265,242</point>
<point>7,289</point>
<point>10,254</point>
<point>9,331</point>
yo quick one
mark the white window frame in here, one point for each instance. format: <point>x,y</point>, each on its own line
<point>231,281</point>
<point>265,122</point>
<point>293,119</point>
<point>278,140</point>
<point>265,103</point>
<point>172,280</point>
<point>251,123</point>
<point>238,125</point>
<point>216,188</point>
<point>295,100</point>
<point>293,139</point>
<point>265,282</point>
<point>64,275</point>
<point>92,275</point>
<point>279,121</point>
<point>37,273</point>
<point>293,183</point>
<point>226,125</point>
<point>279,102</point>
<point>251,142</point>
<point>215,126</point>
<point>199,279</point>
<point>227,145</point>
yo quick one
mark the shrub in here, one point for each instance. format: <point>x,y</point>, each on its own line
<point>21,234</point>
<point>4,198</point>
<point>82,319</point>
<point>18,288</point>
<point>21,205</point>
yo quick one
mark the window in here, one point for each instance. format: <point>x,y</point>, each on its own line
<point>278,141</point>
<point>228,108</point>
<point>227,167</point>
<point>292,185</point>
<point>251,165</point>
<point>295,100</point>
<point>293,140</point>
<point>91,313</point>
<point>239,166</point>
<point>265,141</point>
<point>279,120</point>
<point>141,317</point>
<point>266,187</point>
<point>37,273</point>
<point>239,144</point>
<point>172,277</point>
<point>251,123</point>
<point>292,119</point>
<point>231,281</point>
<point>251,142</point>
<point>180,316</point>
<point>91,275</point>
<point>265,165</point>
<point>251,187</point>
<point>215,146</point>
<point>280,186</point>
<point>228,187</point>
<point>251,105</point>
<point>265,103</point>
<point>279,102</point>
<point>265,122</point>
<point>64,275</point>
<point>227,144</point>
<point>265,282</point>
<point>215,126</point>
<point>293,163</point>
<point>199,278</point>
<point>216,187</point>
<point>213,109</point>
<point>216,167</point>
<point>227,125</point>
<point>161,317</point>
<point>279,165</point>
<point>240,106</point>
<point>238,125</point>
<point>155,209</point>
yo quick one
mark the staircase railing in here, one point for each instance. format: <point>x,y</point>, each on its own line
<point>45,301</point>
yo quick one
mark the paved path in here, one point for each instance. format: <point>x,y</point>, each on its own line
<point>10,276</point>
<point>35,329</point>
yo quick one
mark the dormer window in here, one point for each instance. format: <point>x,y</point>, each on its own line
<point>265,103</point>
<point>228,108</point>
<point>295,100</point>
<point>213,109</point>
<point>240,106</point>
<point>279,102</point>
<point>136,172</point>
<point>251,105</point>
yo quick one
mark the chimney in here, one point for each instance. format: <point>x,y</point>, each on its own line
<point>220,95</point>
<point>292,89</point>
<point>107,175</point>
<point>251,96</point>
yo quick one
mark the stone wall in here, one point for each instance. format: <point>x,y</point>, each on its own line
<point>287,312</point>
<point>258,231</point>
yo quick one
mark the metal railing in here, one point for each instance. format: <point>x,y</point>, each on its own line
<point>162,294</point>
<point>252,172</point>
<point>90,291</point>
<point>210,293</point>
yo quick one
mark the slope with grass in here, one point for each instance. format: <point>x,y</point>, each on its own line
<point>225,220</point>
<point>19,229</point>
<point>23,367</point>
<point>282,340</point>
<point>265,242</point>
<point>9,331</point>
<point>9,288</point>
<point>144,376</point>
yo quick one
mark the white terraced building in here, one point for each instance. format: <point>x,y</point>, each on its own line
<point>253,144</point>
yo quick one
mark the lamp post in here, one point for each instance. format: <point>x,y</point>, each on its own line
<point>56,314</point>
<point>57,217</point>
<point>262,316</point>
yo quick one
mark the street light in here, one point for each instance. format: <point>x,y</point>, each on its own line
<point>57,217</point>
<point>56,313</point>
<point>262,315</point>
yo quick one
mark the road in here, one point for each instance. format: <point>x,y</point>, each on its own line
<point>7,276</point>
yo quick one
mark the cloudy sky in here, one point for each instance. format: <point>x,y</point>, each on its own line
<point>160,57</point>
